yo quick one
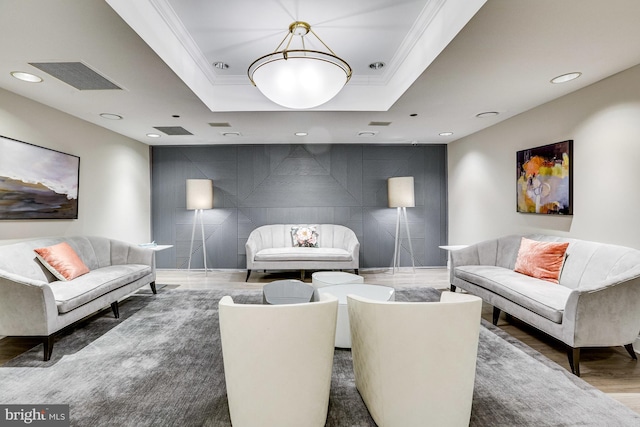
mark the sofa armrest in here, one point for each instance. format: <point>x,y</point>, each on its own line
<point>605,314</point>
<point>27,307</point>
<point>138,255</point>
<point>463,256</point>
<point>127,253</point>
<point>251,249</point>
<point>353,246</point>
<point>354,250</point>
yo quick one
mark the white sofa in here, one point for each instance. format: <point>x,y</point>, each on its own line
<point>34,303</point>
<point>595,304</point>
<point>270,247</point>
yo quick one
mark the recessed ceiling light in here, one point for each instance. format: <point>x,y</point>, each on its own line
<point>230,133</point>
<point>176,116</point>
<point>446,133</point>
<point>111,116</point>
<point>566,77</point>
<point>153,135</point>
<point>26,77</point>
<point>413,114</point>
<point>367,133</point>
<point>487,114</point>
<point>376,65</point>
<point>221,65</point>
<point>301,134</point>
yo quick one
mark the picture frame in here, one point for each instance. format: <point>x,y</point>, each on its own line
<point>37,182</point>
<point>544,179</point>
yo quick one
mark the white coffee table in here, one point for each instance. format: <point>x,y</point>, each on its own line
<point>375,292</point>
<point>321,279</point>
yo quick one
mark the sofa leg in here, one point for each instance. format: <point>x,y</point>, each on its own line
<point>453,288</point>
<point>496,315</point>
<point>115,309</point>
<point>632,353</point>
<point>574,360</point>
<point>248,274</point>
<point>356,271</point>
<point>47,344</point>
<point>153,287</point>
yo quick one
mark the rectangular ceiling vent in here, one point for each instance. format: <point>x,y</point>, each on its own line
<point>379,123</point>
<point>173,130</point>
<point>220,125</point>
<point>76,74</point>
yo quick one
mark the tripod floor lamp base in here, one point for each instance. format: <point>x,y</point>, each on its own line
<point>402,212</point>
<point>198,214</point>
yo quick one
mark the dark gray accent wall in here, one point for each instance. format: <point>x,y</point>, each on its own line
<point>256,185</point>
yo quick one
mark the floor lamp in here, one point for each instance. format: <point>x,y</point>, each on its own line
<point>199,197</point>
<point>401,196</point>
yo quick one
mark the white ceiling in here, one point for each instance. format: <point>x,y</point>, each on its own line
<point>446,61</point>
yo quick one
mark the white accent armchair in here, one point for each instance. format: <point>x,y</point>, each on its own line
<point>278,361</point>
<point>415,363</point>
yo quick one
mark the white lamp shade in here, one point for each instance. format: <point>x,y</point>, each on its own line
<point>199,194</point>
<point>400,192</point>
<point>300,82</point>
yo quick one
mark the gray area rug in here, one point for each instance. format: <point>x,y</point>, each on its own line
<point>161,365</point>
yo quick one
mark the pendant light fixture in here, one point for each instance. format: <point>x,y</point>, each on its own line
<point>299,78</point>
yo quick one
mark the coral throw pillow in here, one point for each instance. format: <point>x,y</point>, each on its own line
<point>62,261</point>
<point>304,237</point>
<point>542,260</point>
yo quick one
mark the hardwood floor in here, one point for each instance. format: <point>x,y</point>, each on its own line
<point>609,369</point>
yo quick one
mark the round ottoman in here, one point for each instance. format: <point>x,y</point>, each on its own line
<point>320,279</point>
<point>375,292</point>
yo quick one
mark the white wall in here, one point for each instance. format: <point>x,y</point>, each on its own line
<point>604,122</point>
<point>114,192</point>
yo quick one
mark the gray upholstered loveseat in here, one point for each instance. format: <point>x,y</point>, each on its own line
<point>270,247</point>
<point>595,304</point>
<point>34,303</point>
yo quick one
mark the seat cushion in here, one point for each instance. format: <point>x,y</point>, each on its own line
<point>303,254</point>
<point>81,290</point>
<point>540,296</point>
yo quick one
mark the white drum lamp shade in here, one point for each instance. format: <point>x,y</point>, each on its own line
<point>400,192</point>
<point>199,194</point>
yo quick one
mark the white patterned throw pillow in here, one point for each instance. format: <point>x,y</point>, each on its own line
<point>304,236</point>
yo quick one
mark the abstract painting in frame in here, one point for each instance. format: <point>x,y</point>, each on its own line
<point>545,179</point>
<point>37,182</point>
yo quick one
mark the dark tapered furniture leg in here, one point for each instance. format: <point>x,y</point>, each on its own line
<point>453,288</point>
<point>153,287</point>
<point>47,343</point>
<point>632,353</point>
<point>356,271</point>
<point>114,308</point>
<point>248,274</point>
<point>574,360</point>
<point>496,315</point>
